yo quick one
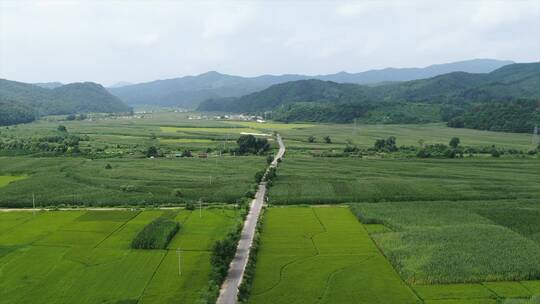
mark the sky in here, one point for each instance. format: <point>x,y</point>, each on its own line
<point>137,41</point>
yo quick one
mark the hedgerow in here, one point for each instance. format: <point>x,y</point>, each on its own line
<point>156,235</point>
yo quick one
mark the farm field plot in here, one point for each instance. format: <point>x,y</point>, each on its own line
<point>130,181</point>
<point>456,242</point>
<point>493,245</point>
<point>335,180</point>
<point>77,256</point>
<point>322,255</point>
<point>208,130</point>
<point>5,180</point>
<point>113,136</point>
<point>365,135</point>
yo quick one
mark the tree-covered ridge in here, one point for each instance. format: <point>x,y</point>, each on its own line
<point>513,116</point>
<point>23,102</point>
<point>440,98</point>
<point>12,112</point>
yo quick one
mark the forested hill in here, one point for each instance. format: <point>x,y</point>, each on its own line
<point>448,96</point>
<point>190,91</point>
<point>23,102</point>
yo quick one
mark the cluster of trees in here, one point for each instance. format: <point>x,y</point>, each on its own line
<point>156,235</point>
<point>223,253</point>
<point>326,139</point>
<point>452,150</point>
<point>61,143</point>
<point>15,113</point>
<point>249,144</point>
<point>386,145</point>
<point>153,151</point>
<point>81,116</point>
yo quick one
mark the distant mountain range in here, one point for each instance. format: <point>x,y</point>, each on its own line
<point>23,102</point>
<point>445,96</point>
<point>190,91</point>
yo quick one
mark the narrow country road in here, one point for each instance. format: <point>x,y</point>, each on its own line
<point>229,289</point>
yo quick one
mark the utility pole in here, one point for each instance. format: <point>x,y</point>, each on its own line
<point>200,208</point>
<point>34,203</point>
<point>535,140</point>
<point>179,252</point>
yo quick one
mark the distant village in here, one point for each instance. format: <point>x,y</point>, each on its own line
<point>229,117</point>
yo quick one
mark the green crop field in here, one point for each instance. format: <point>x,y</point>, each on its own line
<point>59,180</point>
<point>408,135</point>
<point>85,257</point>
<point>6,180</point>
<point>494,245</point>
<point>336,180</point>
<point>456,242</point>
<point>322,255</point>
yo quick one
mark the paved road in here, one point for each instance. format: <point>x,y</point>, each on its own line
<point>229,290</point>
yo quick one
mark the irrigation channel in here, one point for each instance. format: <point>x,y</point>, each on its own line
<point>229,290</point>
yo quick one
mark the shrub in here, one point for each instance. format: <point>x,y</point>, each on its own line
<point>108,166</point>
<point>61,128</point>
<point>187,153</point>
<point>351,149</point>
<point>152,152</point>
<point>128,188</point>
<point>269,159</point>
<point>156,235</point>
<point>250,194</point>
<point>311,139</point>
<point>495,152</point>
<point>423,153</point>
<point>250,144</point>
<point>454,142</point>
<point>259,176</point>
<point>177,193</point>
<point>386,145</point>
<point>327,140</point>
<point>271,174</point>
<point>190,206</point>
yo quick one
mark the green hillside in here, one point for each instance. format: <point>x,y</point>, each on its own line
<point>23,102</point>
<point>441,98</point>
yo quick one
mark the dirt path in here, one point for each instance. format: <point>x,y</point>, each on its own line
<point>229,290</point>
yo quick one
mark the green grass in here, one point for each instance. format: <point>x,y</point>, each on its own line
<point>335,180</point>
<point>322,255</point>
<point>452,242</point>
<point>85,181</point>
<point>85,257</point>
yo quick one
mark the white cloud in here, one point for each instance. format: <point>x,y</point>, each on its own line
<point>108,41</point>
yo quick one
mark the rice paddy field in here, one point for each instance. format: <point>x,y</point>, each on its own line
<point>322,255</point>
<point>85,256</point>
<point>81,181</point>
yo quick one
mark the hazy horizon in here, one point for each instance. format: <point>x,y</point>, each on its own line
<point>109,42</point>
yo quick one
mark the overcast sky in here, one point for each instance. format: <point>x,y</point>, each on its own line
<point>135,41</point>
